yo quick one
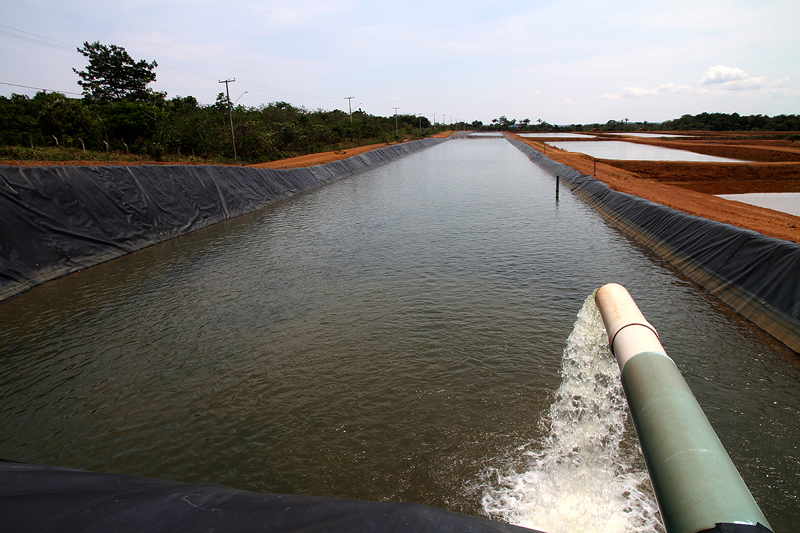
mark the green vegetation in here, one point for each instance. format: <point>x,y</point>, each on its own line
<point>121,119</point>
<point>157,128</point>
<point>733,122</point>
<point>112,74</point>
<point>701,122</point>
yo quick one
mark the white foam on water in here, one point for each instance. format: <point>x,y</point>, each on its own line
<point>578,478</point>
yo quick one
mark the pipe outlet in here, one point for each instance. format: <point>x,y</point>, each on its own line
<point>628,331</point>
<point>696,484</point>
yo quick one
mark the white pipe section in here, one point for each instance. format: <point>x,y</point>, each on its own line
<point>628,331</point>
<point>696,483</point>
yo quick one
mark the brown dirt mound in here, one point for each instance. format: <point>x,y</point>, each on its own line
<point>746,151</point>
<point>327,157</point>
<point>765,221</point>
<point>684,171</point>
<point>318,159</point>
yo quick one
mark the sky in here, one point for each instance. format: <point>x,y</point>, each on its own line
<point>562,62</point>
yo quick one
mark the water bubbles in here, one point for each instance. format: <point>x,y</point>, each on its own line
<point>579,478</point>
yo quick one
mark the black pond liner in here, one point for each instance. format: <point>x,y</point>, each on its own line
<point>57,220</point>
<point>45,498</point>
<point>60,219</point>
<point>756,275</point>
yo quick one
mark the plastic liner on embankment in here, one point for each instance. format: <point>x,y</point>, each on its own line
<point>61,219</point>
<point>758,276</point>
<point>37,498</point>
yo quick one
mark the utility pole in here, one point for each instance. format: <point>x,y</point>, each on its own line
<point>434,123</point>
<point>349,106</point>
<point>396,130</point>
<point>230,113</point>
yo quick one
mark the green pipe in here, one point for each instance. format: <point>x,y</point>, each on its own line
<point>696,484</point>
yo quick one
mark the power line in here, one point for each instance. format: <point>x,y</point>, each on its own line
<point>51,45</point>
<point>61,45</point>
<point>190,73</point>
<point>35,35</point>
<point>37,88</point>
<point>287,93</point>
<point>230,112</point>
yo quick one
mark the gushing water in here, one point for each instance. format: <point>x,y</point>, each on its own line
<point>580,478</point>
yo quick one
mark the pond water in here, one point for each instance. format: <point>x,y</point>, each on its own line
<point>397,335</point>
<point>635,152</point>
<point>486,134</point>
<point>646,135</point>
<point>557,135</point>
<point>787,202</point>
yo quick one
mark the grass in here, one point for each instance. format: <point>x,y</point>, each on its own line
<point>63,153</point>
<point>57,153</point>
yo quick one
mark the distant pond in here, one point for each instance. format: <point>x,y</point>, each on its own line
<point>636,152</point>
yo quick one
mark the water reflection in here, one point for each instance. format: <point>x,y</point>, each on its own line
<point>646,135</point>
<point>387,337</point>
<point>558,183</point>
<point>557,135</point>
<point>786,202</point>
<point>635,152</point>
<point>489,134</point>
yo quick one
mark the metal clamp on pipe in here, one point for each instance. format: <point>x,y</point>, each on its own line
<point>697,485</point>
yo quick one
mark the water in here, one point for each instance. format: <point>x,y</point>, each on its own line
<point>557,135</point>
<point>398,335</point>
<point>647,135</point>
<point>636,152</point>
<point>580,477</point>
<point>787,202</point>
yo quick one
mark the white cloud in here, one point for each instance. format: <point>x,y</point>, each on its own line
<point>749,83</point>
<point>780,88</point>
<point>723,74</point>
<point>661,90</point>
<point>720,77</point>
<point>607,96</point>
<point>732,79</point>
<point>673,88</point>
<point>637,92</point>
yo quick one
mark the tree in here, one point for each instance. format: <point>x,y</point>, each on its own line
<point>113,75</point>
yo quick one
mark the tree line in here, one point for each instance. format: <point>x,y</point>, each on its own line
<point>181,129</point>
<point>120,115</point>
<point>160,128</point>
<point>701,122</point>
<point>733,122</point>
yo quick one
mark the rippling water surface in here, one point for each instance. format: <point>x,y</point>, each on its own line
<point>397,335</point>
